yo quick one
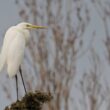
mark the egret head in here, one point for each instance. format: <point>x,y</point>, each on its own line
<point>29,26</point>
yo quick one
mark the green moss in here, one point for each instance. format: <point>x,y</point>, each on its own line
<point>31,101</point>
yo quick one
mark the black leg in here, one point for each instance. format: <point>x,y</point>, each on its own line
<point>16,78</point>
<point>22,79</point>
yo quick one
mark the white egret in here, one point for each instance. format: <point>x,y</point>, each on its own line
<point>12,53</point>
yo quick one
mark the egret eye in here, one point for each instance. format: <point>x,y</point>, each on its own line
<point>27,25</point>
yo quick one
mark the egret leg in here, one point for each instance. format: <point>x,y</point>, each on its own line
<point>22,79</point>
<point>16,78</point>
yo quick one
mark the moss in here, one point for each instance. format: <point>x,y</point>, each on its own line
<point>31,101</point>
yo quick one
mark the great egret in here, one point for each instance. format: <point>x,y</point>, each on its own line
<point>15,41</point>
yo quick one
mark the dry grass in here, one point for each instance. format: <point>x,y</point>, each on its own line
<point>31,101</point>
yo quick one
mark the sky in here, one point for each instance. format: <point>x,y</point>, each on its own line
<point>9,16</point>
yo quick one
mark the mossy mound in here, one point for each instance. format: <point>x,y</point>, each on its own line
<point>31,101</point>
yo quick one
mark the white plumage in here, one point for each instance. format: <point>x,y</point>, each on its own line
<point>15,41</point>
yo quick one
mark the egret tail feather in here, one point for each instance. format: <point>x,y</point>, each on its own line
<point>2,60</point>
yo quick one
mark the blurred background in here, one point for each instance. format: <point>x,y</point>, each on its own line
<point>71,59</point>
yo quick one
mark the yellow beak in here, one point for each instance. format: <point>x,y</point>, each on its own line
<point>37,27</point>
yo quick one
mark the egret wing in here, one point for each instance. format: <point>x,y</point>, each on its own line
<point>9,37</point>
<point>15,54</point>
